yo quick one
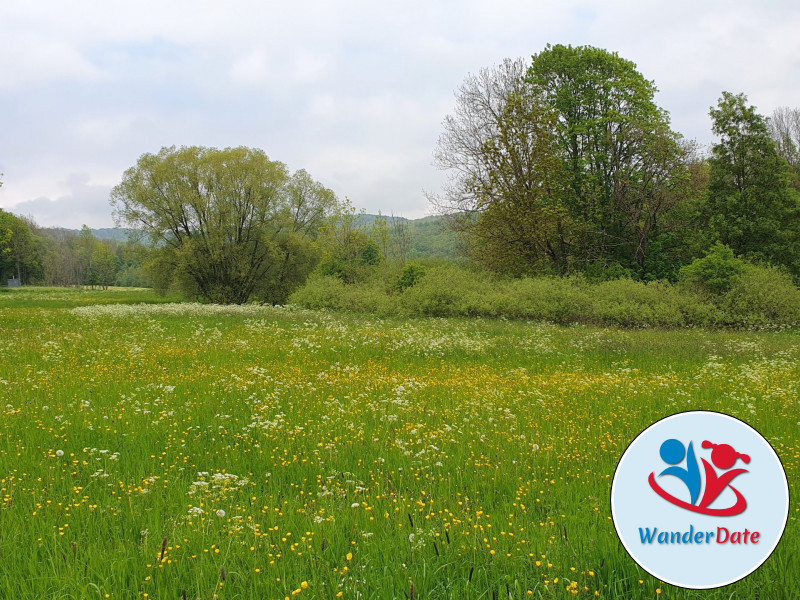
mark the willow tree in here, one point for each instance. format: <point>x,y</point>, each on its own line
<point>230,224</point>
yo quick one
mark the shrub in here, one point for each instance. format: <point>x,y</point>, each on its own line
<point>409,277</point>
<point>762,298</point>
<point>758,297</point>
<point>715,273</point>
<point>448,292</point>
<point>635,304</point>
<point>556,299</point>
<point>320,291</point>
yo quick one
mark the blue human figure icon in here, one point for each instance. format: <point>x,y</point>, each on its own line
<point>672,452</point>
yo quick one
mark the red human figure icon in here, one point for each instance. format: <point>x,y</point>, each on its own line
<point>724,457</point>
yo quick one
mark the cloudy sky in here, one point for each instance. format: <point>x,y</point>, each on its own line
<point>353,91</point>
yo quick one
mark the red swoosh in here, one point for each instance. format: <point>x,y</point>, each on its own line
<point>737,508</point>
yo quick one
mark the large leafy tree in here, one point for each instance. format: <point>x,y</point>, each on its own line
<point>623,164</point>
<point>751,205</point>
<point>20,253</point>
<point>503,190</point>
<point>232,224</point>
<point>564,164</point>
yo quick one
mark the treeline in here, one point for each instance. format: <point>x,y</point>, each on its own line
<point>564,164</point>
<point>577,203</point>
<point>558,167</point>
<point>44,256</point>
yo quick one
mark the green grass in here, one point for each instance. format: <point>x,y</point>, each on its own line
<point>472,458</point>
<point>61,297</point>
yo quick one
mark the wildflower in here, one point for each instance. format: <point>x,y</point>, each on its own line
<point>220,513</point>
<point>59,453</point>
<point>355,505</point>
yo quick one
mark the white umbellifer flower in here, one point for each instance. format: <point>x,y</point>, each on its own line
<point>355,505</point>
<point>59,453</point>
<point>220,513</point>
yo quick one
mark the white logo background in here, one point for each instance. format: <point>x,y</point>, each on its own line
<point>635,505</point>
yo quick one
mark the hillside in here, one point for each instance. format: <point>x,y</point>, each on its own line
<point>429,237</point>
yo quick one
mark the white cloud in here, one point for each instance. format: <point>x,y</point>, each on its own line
<point>82,203</point>
<point>354,91</point>
<point>250,68</point>
<point>27,58</point>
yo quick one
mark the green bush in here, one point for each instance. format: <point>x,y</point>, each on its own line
<point>448,291</point>
<point>758,297</point>
<point>715,273</point>
<point>635,304</point>
<point>762,298</point>
<point>368,297</point>
<point>320,291</point>
<point>556,299</point>
<point>409,277</point>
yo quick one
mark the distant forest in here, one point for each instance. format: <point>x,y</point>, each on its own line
<point>122,256</point>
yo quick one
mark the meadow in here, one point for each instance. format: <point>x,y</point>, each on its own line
<point>163,450</point>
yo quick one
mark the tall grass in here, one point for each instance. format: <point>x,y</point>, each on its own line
<point>283,452</point>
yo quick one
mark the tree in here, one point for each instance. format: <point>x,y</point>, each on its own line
<point>86,245</point>
<point>231,224</point>
<point>347,251</point>
<point>20,255</point>
<point>751,206</point>
<point>564,165</point>
<point>784,128</point>
<point>682,233</point>
<point>104,268</point>
<point>503,188</point>
<point>623,164</point>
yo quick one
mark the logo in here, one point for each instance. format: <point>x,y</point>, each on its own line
<point>699,499</point>
<point>723,456</point>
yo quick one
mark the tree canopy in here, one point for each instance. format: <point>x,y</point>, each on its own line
<point>565,164</point>
<point>751,205</point>
<point>232,224</point>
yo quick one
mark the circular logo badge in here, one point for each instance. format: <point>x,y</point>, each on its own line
<point>699,499</point>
